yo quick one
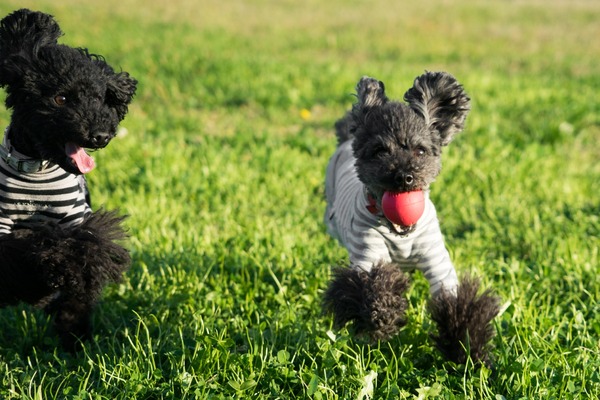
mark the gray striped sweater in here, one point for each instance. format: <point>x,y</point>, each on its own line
<point>51,194</point>
<point>370,239</point>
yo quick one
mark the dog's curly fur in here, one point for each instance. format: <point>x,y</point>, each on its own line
<point>60,95</point>
<point>397,147</point>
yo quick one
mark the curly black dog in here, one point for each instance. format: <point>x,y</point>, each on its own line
<point>391,146</point>
<point>55,252</point>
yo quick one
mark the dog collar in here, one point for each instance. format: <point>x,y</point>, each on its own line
<point>372,203</point>
<point>18,162</point>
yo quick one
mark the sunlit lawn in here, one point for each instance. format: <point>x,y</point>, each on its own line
<point>221,174</point>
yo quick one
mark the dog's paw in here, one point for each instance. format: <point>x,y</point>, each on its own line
<point>370,92</point>
<point>464,322</point>
<point>373,301</point>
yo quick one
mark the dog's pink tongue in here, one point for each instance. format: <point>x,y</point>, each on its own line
<point>80,158</point>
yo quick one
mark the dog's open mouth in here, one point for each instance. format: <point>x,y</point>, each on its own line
<point>79,158</point>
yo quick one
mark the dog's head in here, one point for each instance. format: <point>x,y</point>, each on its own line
<point>63,99</point>
<point>398,146</point>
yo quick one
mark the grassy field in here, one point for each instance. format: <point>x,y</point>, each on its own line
<point>221,173</point>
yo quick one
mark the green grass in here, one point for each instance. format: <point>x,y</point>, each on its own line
<point>221,173</point>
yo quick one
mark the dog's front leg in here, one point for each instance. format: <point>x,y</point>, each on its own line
<point>463,319</point>
<point>374,301</point>
<point>92,259</point>
<point>72,321</point>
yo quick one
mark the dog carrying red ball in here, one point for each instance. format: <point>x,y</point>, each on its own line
<point>388,154</point>
<point>403,208</point>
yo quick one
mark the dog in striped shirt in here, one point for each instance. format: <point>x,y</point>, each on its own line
<point>55,252</point>
<point>388,146</point>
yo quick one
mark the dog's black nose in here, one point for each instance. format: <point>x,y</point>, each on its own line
<point>405,179</point>
<point>101,139</point>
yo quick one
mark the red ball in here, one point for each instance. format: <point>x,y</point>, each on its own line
<point>404,208</point>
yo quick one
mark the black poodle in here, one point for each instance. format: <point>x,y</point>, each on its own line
<point>55,252</point>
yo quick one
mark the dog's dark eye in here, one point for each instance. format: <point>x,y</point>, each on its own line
<point>60,100</point>
<point>378,149</point>
<point>420,151</point>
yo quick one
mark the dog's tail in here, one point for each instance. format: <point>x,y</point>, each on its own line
<point>26,30</point>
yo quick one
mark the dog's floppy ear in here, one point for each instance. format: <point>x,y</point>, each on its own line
<point>370,93</point>
<point>22,34</point>
<point>26,30</point>
<point>441,101</point>
<point>120,89</point>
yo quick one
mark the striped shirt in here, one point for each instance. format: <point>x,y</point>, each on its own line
<point>51,194</point>
<point>370,238</point>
